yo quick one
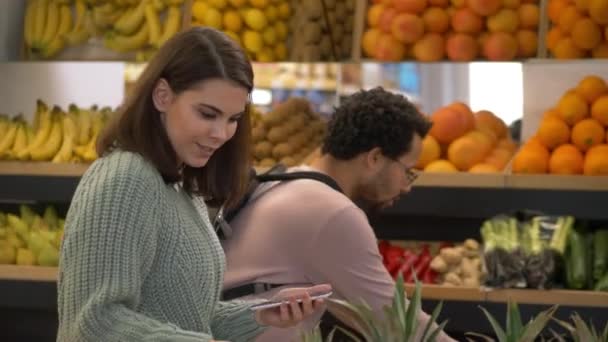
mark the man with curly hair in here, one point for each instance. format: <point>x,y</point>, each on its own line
<point>305,232</point>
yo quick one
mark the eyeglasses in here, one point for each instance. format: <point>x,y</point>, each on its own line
<point>410,173</point>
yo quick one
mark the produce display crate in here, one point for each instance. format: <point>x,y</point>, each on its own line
<point>94,50</point>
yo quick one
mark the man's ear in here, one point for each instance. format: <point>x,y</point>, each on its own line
<point>374,158</point>
<point>162,95</point>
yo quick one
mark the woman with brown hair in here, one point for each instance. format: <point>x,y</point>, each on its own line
<point>140,260</point>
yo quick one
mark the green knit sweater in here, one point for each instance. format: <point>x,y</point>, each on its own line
<point>140,263</point>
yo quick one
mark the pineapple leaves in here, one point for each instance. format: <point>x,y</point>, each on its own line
<point>500,333</point>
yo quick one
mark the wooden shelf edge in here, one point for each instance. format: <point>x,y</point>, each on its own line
<point>426,179</point>
<point>557,182</point>
<point>15,168</point>
<point>461,180</point>
<point>28,273</point>
<point>521,296</point>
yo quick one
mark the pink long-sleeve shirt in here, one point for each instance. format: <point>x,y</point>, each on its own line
<point>304,232</point>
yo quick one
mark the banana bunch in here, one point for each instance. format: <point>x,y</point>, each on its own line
<point>123,25</point>
<point>30,238</point>
<point>46,24</point>
<point>140,28</point>
<point>55,135</point>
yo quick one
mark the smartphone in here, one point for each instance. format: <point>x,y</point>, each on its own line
<point>275,303</point>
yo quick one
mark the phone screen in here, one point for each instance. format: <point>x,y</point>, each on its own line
<point>273,304</point>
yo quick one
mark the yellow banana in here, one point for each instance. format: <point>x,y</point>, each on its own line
<point>53,48</point>
<point>67,146</point>
<point>159,5</point>
<point>20,142</point>
<point>84,125</point>
<point>65,20</point>
<point>174,2</point>
<point>29,23</point>
<point>39,22</point>
<point>53,143</point>
<point>81,31</point>
<point>131,21</point>
<point>73,113</point>
<point>52,24</point>
<point>43,132</point>
<point>41,107</point>
<point>153,23</point>
<point>29,131</point>
<point>4,123</point>
<point>127,43</point>
<point>8,140</point>
<point>105,16</point>
<point>172,24</point>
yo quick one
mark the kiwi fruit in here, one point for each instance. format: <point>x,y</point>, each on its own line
<point>277,134</point>
<point>262,150</point>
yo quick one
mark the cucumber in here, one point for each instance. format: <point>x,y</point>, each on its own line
<point>600,254</point>
<point>578,263</point>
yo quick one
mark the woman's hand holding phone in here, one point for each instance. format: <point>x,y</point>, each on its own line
<point>295,305</point>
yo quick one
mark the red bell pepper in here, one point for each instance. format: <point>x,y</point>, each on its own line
<point>422,263</point>
<point>409,260</point>
<point>383,246</point>
<point>429,276</point>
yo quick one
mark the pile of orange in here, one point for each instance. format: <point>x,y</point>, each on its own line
<point>458,30</point>
<point>572,137</point>
<point>461,140</point>
<point>579,28</point>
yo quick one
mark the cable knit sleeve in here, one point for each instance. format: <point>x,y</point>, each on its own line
<point>108,249</point>
<point>233,321</point>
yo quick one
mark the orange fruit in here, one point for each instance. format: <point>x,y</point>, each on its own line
<point>566,160</point>
<point>483,168</point>
<point>555,8</point>
<point>507,144</point>
<point>431,151</point>
<point>587,133</point>
<point>498,158</point>
<point>586,34</point>
<point>568,18</point>
<point>550,112</point>
<point>601,51</point>
<point>599,110</point>
<point>591,88</point>
<point>466,113</point>
<point>465,152</point>
<point>553,36</point>
<point>532,158</point>
<point>440,165</point>
<point>572,108</point>
<point>486,138</point>
<point>596,161</point>
<point>566,49</point>
<point>553,132</point>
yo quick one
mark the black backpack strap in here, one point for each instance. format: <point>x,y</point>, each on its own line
<point>318,176</point>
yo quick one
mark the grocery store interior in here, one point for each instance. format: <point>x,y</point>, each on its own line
<point>510,209</point>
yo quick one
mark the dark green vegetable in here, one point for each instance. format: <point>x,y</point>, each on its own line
<point>602,284</point>
<point>600,254</point>
<point>577,263</point>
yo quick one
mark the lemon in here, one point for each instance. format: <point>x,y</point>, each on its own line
<point>237,3</point>
<point>234,36</point>
<point>219,4</point>
<point>199,8</point>
<point>280,52</point>
<point>284,10</point>
<point>255,19</point>
<point>269,35</point>
<point>266,55</point>
<point>232,21</point>
<point>281,30</point>
<point>253,41</point>
<point>272,13</point>
<point>259,3</point>
<point>213,18</point>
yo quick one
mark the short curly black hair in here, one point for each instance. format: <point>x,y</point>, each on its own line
<point>374,118</point>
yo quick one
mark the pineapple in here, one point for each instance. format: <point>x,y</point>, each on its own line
<point>580,331</point>
<point>399,323</point>
<point>515,331</point>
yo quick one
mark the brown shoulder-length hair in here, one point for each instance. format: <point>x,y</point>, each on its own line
<point>183,61</point>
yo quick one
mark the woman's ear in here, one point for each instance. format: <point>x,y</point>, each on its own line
<point>162,95</point>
